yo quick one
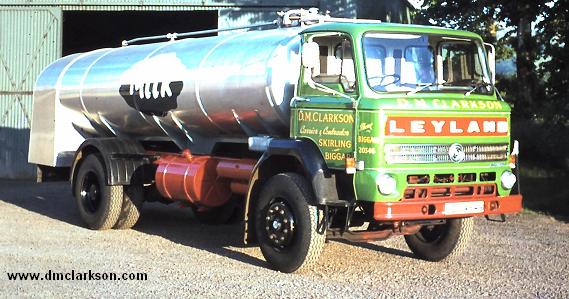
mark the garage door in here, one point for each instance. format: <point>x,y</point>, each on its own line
<point>29,41</point>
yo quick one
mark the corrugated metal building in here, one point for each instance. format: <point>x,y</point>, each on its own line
<point>34,33</point>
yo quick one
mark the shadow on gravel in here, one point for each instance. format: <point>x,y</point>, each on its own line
<point>380,248</point>
<point>178,225</point>
<point>54,200</point>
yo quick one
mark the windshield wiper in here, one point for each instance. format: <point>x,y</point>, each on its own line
<point>475,86</point>
<point>421,87</point>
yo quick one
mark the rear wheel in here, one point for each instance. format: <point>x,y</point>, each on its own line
<point>286,226</point>
<point>445,241</point>
<point>99,204</point>
<point>133,198</point>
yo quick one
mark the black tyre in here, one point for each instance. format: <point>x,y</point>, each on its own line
<point>438,242</point>
<point>230,212</point>
<point>286,226</point>
<point>99,204</point>
<point>133,199</point>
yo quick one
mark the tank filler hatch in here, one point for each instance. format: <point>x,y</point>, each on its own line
<point>312,16</point>
<point>291,18</point>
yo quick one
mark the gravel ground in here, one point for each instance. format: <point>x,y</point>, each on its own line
<point>528,256</point>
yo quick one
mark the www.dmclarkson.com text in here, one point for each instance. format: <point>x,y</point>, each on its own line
<point>76,275</point>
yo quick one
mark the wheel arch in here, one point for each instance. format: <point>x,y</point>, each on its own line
<point>289,155</point>
<point>121,159</point>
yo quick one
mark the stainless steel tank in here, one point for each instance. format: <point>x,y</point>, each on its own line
<point>189,91</point>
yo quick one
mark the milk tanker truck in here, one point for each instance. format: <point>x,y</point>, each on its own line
<point>320,128</point>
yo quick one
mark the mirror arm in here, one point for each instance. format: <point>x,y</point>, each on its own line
<point>492,61</point>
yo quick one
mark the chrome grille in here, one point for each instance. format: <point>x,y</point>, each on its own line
<point>439,153</point>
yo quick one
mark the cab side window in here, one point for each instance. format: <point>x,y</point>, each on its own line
<point>336,69</point>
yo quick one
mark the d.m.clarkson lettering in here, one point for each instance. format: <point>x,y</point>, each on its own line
<point>325,117</point>
<point>450,104</point>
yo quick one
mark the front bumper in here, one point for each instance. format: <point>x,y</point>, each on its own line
<point>432,208</point>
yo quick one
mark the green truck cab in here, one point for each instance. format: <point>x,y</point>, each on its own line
<point>410,115</point>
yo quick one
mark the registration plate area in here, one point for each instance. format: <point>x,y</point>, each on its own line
<point>469,207</point>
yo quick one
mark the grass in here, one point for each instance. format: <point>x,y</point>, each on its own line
<point>545,190</point>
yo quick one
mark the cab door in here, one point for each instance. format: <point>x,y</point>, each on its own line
<point>323,109</point>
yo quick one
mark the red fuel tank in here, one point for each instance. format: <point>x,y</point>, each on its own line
<point>202,180</point>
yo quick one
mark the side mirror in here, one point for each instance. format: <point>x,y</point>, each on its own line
<point>491,52</point>
<point>310,55</point>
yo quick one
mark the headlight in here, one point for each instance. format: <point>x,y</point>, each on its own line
<point>508,179</point>
<point>386,184</point>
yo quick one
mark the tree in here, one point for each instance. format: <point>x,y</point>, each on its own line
<point>553,36</point>
<point>460,14</point>
<point>521,14</point>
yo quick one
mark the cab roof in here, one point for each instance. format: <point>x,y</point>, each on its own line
<point>359,27</point>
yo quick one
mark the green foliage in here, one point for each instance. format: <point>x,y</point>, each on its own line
<point>477,16</point>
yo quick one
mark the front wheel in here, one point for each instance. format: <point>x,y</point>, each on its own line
<point>445,241</point>
<point>286,225</point>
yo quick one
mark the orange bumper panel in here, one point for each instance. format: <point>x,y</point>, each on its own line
<point>421,209</point>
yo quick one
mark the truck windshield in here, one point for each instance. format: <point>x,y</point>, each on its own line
<point>423,63</point>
